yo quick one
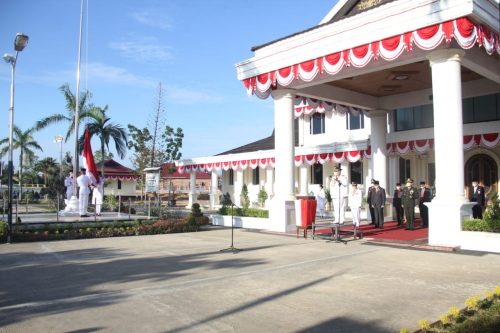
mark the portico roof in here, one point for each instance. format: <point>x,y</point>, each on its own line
<point>377,36</point>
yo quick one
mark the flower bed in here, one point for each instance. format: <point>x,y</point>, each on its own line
<point>481,225</point>
<point>478,316</point>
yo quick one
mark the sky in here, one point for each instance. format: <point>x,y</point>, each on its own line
<point>129,46</point>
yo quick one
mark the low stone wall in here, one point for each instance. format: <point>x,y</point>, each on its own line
<point>241,222</point>
<point>480,241</point>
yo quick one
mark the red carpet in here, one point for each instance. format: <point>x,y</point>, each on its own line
<point>393,232</point>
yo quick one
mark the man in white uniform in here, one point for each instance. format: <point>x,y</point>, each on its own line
<point>97,195</point>
<point>83,182</point>
<point>355,201</point>
<point>68,183</point>
<point>338,191</point>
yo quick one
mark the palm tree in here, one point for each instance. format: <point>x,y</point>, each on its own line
<point>47,166</point>
<point>70,108</point>
<point>25,142</point>
<point>100,126</point>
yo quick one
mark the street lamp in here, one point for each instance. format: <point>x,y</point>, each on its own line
<point>20,43</point>
<point>59,139</point>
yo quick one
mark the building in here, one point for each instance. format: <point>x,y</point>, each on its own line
<point>119,180</point>
<point>388,90</point>
<point>173,180</point>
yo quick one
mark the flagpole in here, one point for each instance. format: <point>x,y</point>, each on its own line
<point>77,100</point>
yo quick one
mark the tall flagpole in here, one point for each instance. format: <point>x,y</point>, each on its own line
<point>77,101</point>
<point>72,205</point>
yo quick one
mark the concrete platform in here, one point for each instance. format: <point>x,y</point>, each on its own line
<point>183,283</point>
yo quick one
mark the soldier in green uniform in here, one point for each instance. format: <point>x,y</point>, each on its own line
<point>410,194</point>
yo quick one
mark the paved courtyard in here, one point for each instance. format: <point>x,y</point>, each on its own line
<point>182,283</point>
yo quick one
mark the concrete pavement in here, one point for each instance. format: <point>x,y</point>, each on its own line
<point>182,283</point>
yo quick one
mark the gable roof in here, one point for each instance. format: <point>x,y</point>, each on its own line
<point>114,170</point>
<point>343,9</point>
<point>263,144</point>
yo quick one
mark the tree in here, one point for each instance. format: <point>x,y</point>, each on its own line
<point>83,111</point>
<point>25,142</point>
<point>98,156</point>
<point>101,127</point>
<point>156,143</point>
<point>156,122</point>
<point>48,167</point>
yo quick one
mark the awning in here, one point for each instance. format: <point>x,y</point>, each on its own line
<point>309,159</point>
<point>308,106</point>
<point>464,31</point>
<point>489,140</point>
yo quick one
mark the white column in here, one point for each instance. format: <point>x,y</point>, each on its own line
<point>238,185</point>
<point>393,175</point>
<point>378,141</point>
<point>304,179</point>
<point>192,189</point>
<point>284,144</point>
<point>270,182</point>
<point>214,198</point>
<point>281,212</point>
<point>445,210</point>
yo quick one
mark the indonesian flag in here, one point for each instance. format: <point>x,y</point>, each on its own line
<point>88,160</point>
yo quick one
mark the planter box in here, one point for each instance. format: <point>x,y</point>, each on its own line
<point>241,222</point>
<point>480,241</point>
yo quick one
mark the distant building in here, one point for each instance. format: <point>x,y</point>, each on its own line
<point>180,182</point>
<point>120,180</point>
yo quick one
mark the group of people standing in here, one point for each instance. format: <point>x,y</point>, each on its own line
<point>86,186</point>
<point>405,200</point>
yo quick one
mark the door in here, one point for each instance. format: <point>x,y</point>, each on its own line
<point>485,170</point>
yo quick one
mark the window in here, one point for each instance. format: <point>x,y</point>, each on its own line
<point>256,176</point>
<point>231,177</point>
<point>318,123</point>
<point>355,122</point>
<point>404,170</point>
<point>317,174</point>
<point>119,184</point>
<point>357,172</point>
<point>414,117</point>
<point>481,108</point>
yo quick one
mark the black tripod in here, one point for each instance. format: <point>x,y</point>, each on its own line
<point>231,248</point>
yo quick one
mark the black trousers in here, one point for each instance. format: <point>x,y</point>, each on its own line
<point>372,214</point>
<point>477,212</point>
<point>399,214</point>
<point>424,214</point>
<point>379,216</point>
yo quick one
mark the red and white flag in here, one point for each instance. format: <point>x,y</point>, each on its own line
<point>88,160</point>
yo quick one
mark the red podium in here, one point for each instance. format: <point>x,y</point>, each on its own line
<point>307,216</point>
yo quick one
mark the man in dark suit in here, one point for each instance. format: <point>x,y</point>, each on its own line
<point>476,194</point>
<point>368,201</point>
<point>396,202</point>
<point>424,196</point>
<point>378,202</point>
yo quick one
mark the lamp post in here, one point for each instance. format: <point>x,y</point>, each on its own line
<point>20,43</point>
<point>59,139</point>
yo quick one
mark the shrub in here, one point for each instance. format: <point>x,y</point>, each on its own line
<point>262,196</point>
<point>481,225</point>
<point>492,211</point>
<point>245,200</point>
<point>248,212</point>
<point>226,200</point>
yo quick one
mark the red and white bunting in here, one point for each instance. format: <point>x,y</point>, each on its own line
<point>420,146</point>
<point>307,106</point>
<point>465,32</point>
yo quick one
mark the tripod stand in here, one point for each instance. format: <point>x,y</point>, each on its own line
<point>231,248</point>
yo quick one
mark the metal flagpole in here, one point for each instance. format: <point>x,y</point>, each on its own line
<point>77,102</point>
